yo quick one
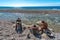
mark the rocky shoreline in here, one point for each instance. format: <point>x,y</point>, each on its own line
<point>8,33</point>
<point>32,11</point>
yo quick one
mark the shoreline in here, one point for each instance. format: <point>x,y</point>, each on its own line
<point>32,11</point>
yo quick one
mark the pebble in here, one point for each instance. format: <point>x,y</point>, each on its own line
<point>7,33</point>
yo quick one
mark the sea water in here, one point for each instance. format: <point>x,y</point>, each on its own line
<point>31,17</point>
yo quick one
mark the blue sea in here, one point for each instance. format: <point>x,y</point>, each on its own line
<point>32,8</point>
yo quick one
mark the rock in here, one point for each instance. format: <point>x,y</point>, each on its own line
<point>1,39</point>
<point>8,33</point>
<point>12,38</point>
<point>1,28</point>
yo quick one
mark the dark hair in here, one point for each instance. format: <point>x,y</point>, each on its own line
<point>43,21</point>
<point>18,20</point>
<point>34,25</point>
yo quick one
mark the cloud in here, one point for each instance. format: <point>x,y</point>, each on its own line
<point>30,4</point>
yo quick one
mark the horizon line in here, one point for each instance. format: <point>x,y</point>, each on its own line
<point>26,6</point>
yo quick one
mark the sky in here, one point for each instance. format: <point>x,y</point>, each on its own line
<point>20,3</point>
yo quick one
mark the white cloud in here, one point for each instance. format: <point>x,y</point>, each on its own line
<point>36,4</point>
